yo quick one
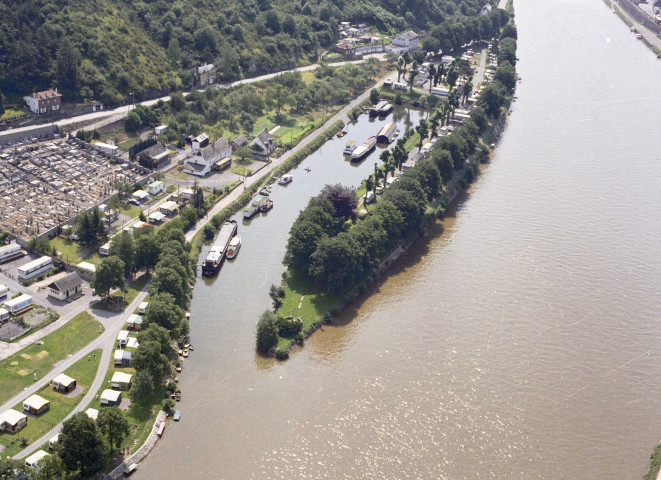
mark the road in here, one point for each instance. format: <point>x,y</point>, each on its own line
<point>106,117</point>
<point>236,193</point>
<point>113,323</point>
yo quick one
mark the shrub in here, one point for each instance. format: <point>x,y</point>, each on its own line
<point>267,331</point>
<point>282,352</point>
<point>168,404</point>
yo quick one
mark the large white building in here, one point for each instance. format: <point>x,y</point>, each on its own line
<point>405,42</point>
<point>212,156</point>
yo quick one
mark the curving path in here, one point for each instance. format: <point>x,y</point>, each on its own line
<point>113,323</point>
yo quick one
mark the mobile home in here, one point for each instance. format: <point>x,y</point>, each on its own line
<point>9,252</point>
<point>35,268</point>
<point>105,249</point>
<point>17,304</point>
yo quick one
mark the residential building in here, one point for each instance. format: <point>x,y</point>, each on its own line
<point>122,358</point>
<point>206,74</point>
<point>199,142</point>
<point>139,196</point>
<point>160,130</point>
<point>111,398</point>
<point>35,268</point>
<point>239,142</point>
<point>134,322</point>
<point>12,421</point>
<point>216,155</point>
<point>121,380</point>
<point>486,9</point>
<point>47,101</point>
<point>36,405</point>
<point>406,42</point>
<point>262,146</point>
<point>154,156</point>
<point>65,287</point>
<point>63,383</point>
<point>169,208</point>
<point>155,188</point>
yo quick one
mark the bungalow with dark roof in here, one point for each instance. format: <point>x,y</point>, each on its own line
<point>154,156</point>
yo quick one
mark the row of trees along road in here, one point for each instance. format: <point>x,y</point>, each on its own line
<point>337,251</point>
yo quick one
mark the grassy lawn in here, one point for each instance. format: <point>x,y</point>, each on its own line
<point>313,306</point>
<point>241,170</point>
<point>10,113</point>
<point>84,372</point>
<point>412,142</point>
<point>119,300</point>
<point>130,210</point>
<point>16,372</point>
<point>68,249</point>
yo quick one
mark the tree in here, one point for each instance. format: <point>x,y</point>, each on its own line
<point>452,77</point>
<point>11,469</point>
<point>507,50</point>
<point>431,73</point>
<point>162,310</point>
<point>267,331</point>
<point>279,96</point>
<point>113,425</point>
<point>109,274</point>
<point>2,105</point>
<point>277,293</point>
<point>506,75</point>
<point>467,89</point>
<point>401,68</point>
<point>132,121</point>
<point>413,73</point>
<point>177,101</point>
<point>141,386</point>
<point>155,333</point>
<point>146,251</point>
<point>491,98</point>
<point>336,262</point>
<point>422,130</point>
<point>122,246</point>
<point>369,185</point>
<point>68,59</point>
<point>374,96</point>
<point>343,198</point>
<point>82,446</point>
<point>51,468</point>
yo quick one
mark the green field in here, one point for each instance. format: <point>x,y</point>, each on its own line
<point>16,372</point>
<point>313,306</point>
<point>84,372</point>
<point>68,250</point>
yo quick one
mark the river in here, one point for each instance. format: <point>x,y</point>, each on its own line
<point>520,339</point>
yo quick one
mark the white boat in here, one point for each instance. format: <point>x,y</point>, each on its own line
<point>364,149</point>
<point>350,147</point>
<point>285,179</point>
<point>233,247</point>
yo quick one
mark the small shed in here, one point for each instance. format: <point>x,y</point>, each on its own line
<point>142,308</point>
<point>122,358</point>
<point>53,440</point>
<point>36,405</point>
<point>68,286</point>
<point>35,459</point>
<point>134,322</point>
<point>111,398</point>
<point>132,342</point>
<point>156,217</point>
<point>169,208</point>
<point>92,413</point>
<point>122,338</point>
<point>161,129</point>
<point>121,380</point>
<point>64,383</point>
<point>12,421</point>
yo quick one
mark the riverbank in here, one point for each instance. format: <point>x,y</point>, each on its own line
<point>332,260</point>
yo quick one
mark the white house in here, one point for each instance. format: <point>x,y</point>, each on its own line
<point>12,421</point>
<point>122,338</point>
<point>486,9</point>
<point>142,308</point>
<point>121,380</point>
<point>111,398</point>
<point>205,159</point>
<point>406,42</point>
<point>68,286</point>
<point>139,196</point>
<point>155,188</point>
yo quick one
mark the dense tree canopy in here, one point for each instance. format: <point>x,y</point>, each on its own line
<point>82,446</point>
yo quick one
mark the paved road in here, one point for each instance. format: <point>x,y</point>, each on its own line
<point>106,117</point>
<point>236,193</point>
<point>479,75</point>
<point>113,323</point>
<point>649,35</point>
